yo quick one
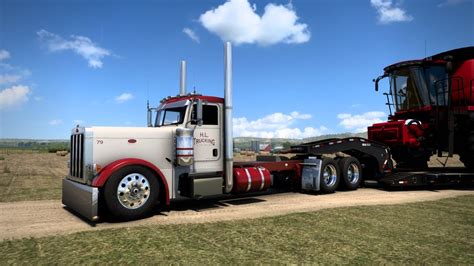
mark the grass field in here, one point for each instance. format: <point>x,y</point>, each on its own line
<point>30,175</point>
<point>440,232</point>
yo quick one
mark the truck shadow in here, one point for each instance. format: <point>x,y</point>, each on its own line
<point>222,201</point>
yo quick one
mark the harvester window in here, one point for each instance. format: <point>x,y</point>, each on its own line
<point>210,115</point>
<point>409,89</point>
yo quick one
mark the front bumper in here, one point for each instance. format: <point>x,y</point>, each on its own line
<point>81,198</point>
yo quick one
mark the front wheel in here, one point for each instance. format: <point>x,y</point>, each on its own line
<point>329,175</point>
<point>131,192</point>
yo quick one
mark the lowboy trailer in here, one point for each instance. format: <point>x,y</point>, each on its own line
<point>187,153</point>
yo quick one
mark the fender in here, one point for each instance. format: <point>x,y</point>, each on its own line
<point>105,173</point>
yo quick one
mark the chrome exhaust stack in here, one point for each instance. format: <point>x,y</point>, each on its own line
<point>182,79</point>
<point>228,138</point>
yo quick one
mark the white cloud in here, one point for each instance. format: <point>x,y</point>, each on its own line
<point>14,96</point>
<point>4,54</point>
<point>276,125</point>
<point>8,78</point>
<point>360,122</point>
<point>389,12</point>
<point>80,45</point>
<point>38,98</point>
<point>12,74</point>
<point>238,22</point>
<point>191,34</point>
<point>55,122</point>
<point>123,97</point>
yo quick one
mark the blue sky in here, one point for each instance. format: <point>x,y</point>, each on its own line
<point>301,68</point>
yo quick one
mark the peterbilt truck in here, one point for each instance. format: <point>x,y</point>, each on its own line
<point>187,152</point>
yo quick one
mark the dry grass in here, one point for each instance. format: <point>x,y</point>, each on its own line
<point>29,175</point>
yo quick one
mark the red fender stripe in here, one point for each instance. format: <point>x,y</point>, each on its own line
<point>104,175</point>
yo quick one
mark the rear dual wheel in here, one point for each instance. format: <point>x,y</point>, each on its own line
<point>329,175</point>
<point>351,173</point>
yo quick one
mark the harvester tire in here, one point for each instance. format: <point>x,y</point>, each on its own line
<point>468,157</point>
<point>131,192</point>
<point>407,160</point>
<point>330,175</point>
<point>350,173</point>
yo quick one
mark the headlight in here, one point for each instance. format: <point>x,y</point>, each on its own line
<point>92,170</point>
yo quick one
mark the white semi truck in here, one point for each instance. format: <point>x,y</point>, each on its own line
<point>187,152</point>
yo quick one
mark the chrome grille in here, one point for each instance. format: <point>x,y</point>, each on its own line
<point>77,156</point>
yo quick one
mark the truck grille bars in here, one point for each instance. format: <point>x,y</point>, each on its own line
<point>77,156</point>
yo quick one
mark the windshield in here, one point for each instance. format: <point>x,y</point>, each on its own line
<point>170,116</point>
<point>415,87</point>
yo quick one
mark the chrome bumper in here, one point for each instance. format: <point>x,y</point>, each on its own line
<point>81,198</point>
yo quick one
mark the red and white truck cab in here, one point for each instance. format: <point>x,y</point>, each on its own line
<point>187,152</point>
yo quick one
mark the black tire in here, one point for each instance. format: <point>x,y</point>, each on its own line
<point>467,158</point>
<point>329,177</point>
<point>139,204</point>
<point>411,161</point>
<point>350,173</point>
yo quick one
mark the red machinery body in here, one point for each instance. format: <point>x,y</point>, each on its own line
<point>251,179</point>
<point>395,133</point>
<point>463,85</point>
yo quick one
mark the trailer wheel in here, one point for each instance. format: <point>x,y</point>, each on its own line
<point>131,192</point>
<point>329,175</point>
<point>351,173</point>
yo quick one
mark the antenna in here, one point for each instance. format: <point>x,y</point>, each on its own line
<point>425,48</point>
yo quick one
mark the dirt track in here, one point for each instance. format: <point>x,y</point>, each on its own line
<point>43,218</point>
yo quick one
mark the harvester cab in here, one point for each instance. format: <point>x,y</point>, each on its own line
<point>431,108</point>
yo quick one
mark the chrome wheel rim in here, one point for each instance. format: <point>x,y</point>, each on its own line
<point>133,191</point>
<point>330,175</point>
<point>353,173</point>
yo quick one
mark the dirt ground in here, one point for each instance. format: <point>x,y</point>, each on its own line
<point>44,218</point>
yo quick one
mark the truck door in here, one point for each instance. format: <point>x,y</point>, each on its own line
<point>208,139</point>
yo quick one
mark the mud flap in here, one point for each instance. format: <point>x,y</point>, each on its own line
<point>310,179</point>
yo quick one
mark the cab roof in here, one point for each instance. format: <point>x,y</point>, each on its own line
<point>459,54</point>
<point>178,98</point>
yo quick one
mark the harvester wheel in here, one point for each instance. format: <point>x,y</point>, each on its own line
<point>468,157</point>
<point>329,175</point>
<point>131,192</point>
<point>408,160</point>
<point>350,172</point>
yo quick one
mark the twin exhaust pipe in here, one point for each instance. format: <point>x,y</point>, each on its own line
<point>228,136</point>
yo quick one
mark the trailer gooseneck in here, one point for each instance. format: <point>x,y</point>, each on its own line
<point>187,152</point>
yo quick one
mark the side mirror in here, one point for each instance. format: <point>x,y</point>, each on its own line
<point>376,84</point>
<point>149,114</point>
<point>377,81</point>
<point>199,112</point>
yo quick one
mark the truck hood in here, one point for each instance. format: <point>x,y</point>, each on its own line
<point>131,132</point>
